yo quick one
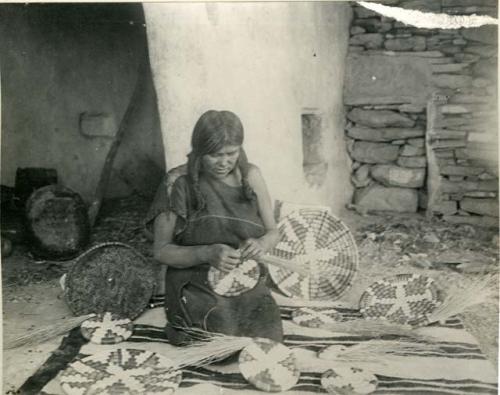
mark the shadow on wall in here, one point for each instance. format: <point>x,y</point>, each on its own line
<point>68,74</point>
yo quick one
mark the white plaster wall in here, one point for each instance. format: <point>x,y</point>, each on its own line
<point>267,62</point>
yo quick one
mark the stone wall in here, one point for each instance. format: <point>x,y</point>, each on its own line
<point>421,105</point>
<point>387,146</point>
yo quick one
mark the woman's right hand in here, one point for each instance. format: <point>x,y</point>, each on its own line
<point>223,257</point>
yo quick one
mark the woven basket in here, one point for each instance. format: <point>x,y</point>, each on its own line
<point>324,246</point>
<point>107,329</point>
<point>349,380</point>
<point>268,365</point>
<point>121,371</point>
<point>316,317</point>
<point>111,277</point>
<point>403,299</point>
<point>242,278</point>
<point>57,223</point>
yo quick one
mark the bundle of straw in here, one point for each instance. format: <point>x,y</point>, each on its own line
<point>207,347</point>
<point>45,333</point>
<point>374,351</point>
<point>460,298</point>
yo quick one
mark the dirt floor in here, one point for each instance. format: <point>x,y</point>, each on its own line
<point>388,244</point>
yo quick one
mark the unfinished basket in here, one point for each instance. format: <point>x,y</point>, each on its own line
<point>241,279</point>
<point>121,371</point>
<point>110,277</point>
<point>403,299</point>
<point>326,249</point>
<point>268,365</point>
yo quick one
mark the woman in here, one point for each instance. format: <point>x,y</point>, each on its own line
<point>217,214</point>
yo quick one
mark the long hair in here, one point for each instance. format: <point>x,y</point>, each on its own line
<point>212,132</point>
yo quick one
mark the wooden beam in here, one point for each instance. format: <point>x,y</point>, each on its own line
<point>100,191</point>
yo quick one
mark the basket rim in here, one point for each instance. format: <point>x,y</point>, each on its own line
<point>77,261</point>
<point>91,250</point>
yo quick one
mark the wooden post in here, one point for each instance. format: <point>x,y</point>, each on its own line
<point>96,203</point>
<point>433,175</point>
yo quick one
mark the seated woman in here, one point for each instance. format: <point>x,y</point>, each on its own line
<point>217,214</point>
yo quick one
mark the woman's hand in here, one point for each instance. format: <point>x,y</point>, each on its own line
<point>252,249</point>
<point>223,257</point>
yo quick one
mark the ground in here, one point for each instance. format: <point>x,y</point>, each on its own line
<point>388,244</point>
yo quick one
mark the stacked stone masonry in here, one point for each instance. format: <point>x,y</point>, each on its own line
<point>389,140</point>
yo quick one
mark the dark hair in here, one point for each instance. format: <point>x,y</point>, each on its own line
<point>212,132</point>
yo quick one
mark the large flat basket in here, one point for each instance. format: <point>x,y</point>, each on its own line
<point>324,246</point>
<point>111,277</point>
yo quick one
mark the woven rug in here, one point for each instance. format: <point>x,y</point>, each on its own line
<point>458,367</point>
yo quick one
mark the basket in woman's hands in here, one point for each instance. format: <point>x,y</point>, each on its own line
<point>316,258</point>
<point>233,280</point>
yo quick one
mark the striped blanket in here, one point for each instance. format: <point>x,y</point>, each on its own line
<point>456,367</point>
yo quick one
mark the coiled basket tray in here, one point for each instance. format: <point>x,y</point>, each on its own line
<point>111,277</point>
<point>324,246</point>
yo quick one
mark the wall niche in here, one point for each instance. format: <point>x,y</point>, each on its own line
<point>314,164</point>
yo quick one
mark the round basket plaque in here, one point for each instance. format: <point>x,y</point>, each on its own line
<point>107,328</point>
<point>241,279</point>
<point>315,317</point>
<point>110,277</point>
<point>326,249</point>
<point>268,365</point>
<point>403,299</point>
<point>121,371</point>
<point>350,380</point>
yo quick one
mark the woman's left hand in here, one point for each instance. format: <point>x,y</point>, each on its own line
<point>251,249</point>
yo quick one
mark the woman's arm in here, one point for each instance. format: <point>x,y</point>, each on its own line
<point>167,252</point>
<point>256,247</point>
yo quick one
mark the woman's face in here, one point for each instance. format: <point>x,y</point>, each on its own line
<point>222,162</point>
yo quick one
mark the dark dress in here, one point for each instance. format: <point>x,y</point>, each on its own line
<point>228,218</point>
